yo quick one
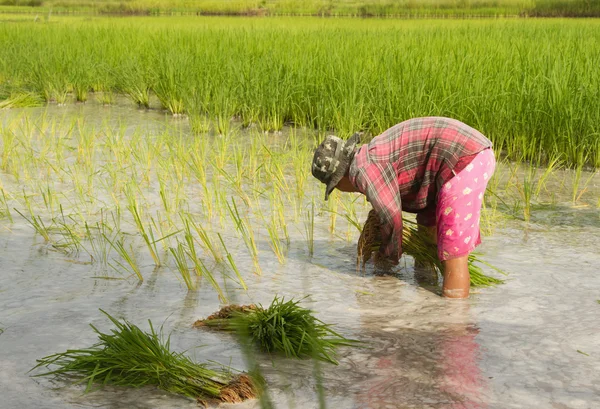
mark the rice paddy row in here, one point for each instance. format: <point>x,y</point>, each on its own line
<point>532,86</point>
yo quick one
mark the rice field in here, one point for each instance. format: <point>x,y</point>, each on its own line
<point>159,168</point>
<point>531,86</point>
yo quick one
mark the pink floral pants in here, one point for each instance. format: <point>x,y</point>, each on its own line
<point>458,207</point>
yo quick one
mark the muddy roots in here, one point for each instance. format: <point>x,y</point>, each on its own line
<point>369,240</point>
<point>239,389</point>
<point>225,313</point>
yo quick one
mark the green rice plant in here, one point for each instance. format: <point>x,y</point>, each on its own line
<point>349,206</point>
<point>245,229</point>
<point>130,357</point>
<point>180,257</point>
<point>199,124</point>
<point>106,97</point>
<point>48,197</point>
<point>196,162</point>
<point>235,183</point>
<point>128,255</point>
<point>275,242</point>
<point>286,328</point>
<point>100,246</point>
<point>584,189</point>
<point>35,221</point>
<point>223,124</point>
<point>332,206</point>
<point>309,228</point>
<point>145,231</point>
<point>70,239</point>
<point>554,164</point>
<point>199,266</point>
<point>5,212</point>
<point>24,99</point>
<point>81,92</point>
<point>205,240</point>
<point>232,263</point>
<point>526,191</point>
<point>9,162</point>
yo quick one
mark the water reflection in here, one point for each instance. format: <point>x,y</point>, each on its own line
<point>434,365</point>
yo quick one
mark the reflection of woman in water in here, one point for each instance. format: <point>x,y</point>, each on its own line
<point>436,367</point>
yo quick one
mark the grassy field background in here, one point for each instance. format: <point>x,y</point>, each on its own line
<point>365,8</point>
<point>532,86</point>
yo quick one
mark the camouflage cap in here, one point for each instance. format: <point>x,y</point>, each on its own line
<point>332,159</point>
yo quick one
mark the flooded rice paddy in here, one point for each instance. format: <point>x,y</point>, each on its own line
<point>530,343</point>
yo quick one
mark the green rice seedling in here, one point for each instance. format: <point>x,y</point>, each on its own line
<point>235,183</point>
<point>4,202</point>
<point>130,357</point>
<point>196,161</point>
<point>60,96</point>
<point>135,82</point>
<point>100,246</point>
<point>232,263</point>
<point>23,99</point>
<point>287,328</point>
<point>205,240</point>
<point>145,231</point>
<point>349,206</point>
<point>105,97</point>
<point>9,162</point>
<point>245,229</point>
<point>526,190</point>
<point>199,266</point>
<point>81,92</point>
<point>36,222</point>
<point>554,164</point>
<point>48,197</point>
<point>71,239</point>
<point>585,186</point>
<point>275,242</point>
<point>180,257</point>
<point>199,124</point>
<point>128,255</point>
<point>332,206</point>
<point>223,124</point>
<point>309,227</point>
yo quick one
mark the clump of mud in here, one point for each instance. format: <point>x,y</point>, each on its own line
<point>229,311</point>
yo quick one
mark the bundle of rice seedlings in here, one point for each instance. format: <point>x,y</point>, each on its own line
<point>284,327</point>
<point>130,357</point>
<point>419,245</point>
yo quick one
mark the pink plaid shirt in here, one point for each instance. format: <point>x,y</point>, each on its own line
<point>405,166</point>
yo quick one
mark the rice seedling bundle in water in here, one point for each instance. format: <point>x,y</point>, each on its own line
<point>131,357</point>
<point>419,245</point>
<point>284,327</point>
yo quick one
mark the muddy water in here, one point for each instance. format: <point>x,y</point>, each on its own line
<point>530,343</point>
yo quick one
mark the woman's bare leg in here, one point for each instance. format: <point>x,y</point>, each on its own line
<point>457,280</point>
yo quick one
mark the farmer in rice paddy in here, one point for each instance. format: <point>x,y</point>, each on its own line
<point>435,167</point>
